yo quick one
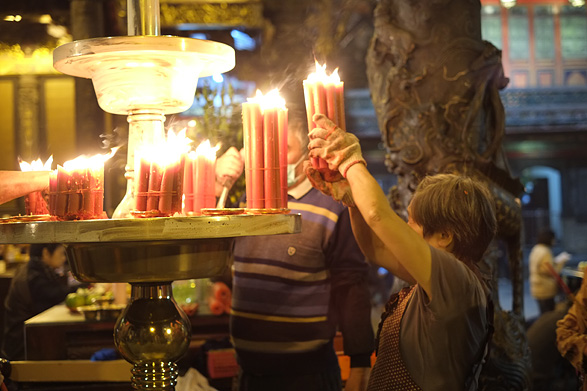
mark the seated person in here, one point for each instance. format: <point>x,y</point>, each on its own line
<point>36,287</point>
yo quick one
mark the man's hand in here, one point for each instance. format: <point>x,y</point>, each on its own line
<point>229,167</point>
<point>338,148</point>
<point>339,190</point>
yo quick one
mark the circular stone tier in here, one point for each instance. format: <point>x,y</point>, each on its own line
<point>158,73</point>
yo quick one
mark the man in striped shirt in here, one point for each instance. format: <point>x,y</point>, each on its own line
<point>291,293</point>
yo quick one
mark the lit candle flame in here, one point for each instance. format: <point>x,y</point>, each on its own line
<point>321,76</point>
<point>36,165</point>
<point>169,151</point>
<point>92,162</point>
<point>268,101</point>
<point>206,150</point>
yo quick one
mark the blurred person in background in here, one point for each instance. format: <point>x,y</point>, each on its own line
<point>544,271</point>
<point>36,287</point>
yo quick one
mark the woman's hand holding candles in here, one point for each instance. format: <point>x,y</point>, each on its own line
<point>324,94</point>
<point>342,150</point>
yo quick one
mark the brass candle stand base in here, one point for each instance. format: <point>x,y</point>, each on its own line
<point>153,333</point>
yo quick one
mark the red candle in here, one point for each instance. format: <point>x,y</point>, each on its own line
<point>194,187</point>
<point>53,192</point>
<point>188,181</point>
<point>257,163</point>
<point>87,193</point>
<point>203,162</point>
<point>271,180</point>
<point>200,183</point>
<point>142,173</point>
<point>167,187</point>
<point>324,94</point>
<point>154,187</point>
<point>309,88</point>
<point>178,185</point>
<point>282,131</point>
<point>341,121</point>
<point>246,108</point>
<point>97,188</point>
<point>74,204</point>
<point>171,187</point>
<point>159,176</point>
<point>76,189</point>
<point>62,187</point>
<point>30,203</point>
<point>265,132</point>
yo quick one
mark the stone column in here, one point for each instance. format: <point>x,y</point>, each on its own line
<point>27,127</point>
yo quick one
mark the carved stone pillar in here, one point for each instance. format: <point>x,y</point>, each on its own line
<point>435,87</point>
<point>27,126</point>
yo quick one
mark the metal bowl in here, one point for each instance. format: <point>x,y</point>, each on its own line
<point>149,261</point>
<point>151,249</point>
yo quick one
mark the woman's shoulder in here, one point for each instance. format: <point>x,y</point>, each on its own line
<point>453,277</point>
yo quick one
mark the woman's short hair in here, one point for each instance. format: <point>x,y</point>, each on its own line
<point>459,205</point>
<point>36,250</point>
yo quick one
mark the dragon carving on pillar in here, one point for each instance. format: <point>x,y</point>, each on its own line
<point>435,88</point>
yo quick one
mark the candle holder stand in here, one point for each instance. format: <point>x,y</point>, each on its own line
<point>152,332</point>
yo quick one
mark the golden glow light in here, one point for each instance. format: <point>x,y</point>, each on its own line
<point>168,152</point>
<point>45,19</point>
<point>271,100</point>
<point>321,76</point>
<point>92,162</point>
<point>12,18</point>
<point>206,150</point>
<point>36,165</point>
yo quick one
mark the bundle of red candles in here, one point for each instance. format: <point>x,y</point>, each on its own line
<point>159,177</point>
<point>265,140</point>
<point>35,202</point>
<point>199,179</point>
<point>324,94</point>
<point>76,189</point>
